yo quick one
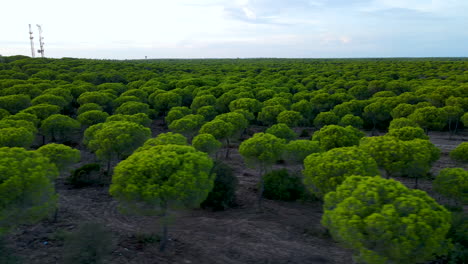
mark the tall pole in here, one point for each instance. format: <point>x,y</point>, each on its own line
<point>32,42</point>
<point>41,43</point>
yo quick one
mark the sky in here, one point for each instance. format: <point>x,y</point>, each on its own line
<point>134,29</point>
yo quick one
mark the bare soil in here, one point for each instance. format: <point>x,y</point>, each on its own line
<point>285,232</point>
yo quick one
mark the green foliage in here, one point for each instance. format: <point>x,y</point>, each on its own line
<point>140,118</point>
<point>460,153</point>
<point>27,192</point>
<point>453,183</point>
<point>429,118</point>
<point>92,117</point>
<point>50,99</point>
<point>249,104</point>
<point>464,119</point>
<point>408,133</point>
<point>16,137</point>
<point>15,102</point>
<point>131,108</point>
<point>206,143</point>
<point>238,121</point>
<point>88,107</point>
<point>290,118</point>
<point>269,114</point>
<point>422,155</point>
<point>377,112</point>
<point>177,113</point>
<point>223,194</point>
<point>60,155</point>
<point>165,101</point>
<point>3,113</point>
<point>208,112</point>
<point>402,110</point>
<point>297,150</point>
<point>385,222</point>
<point>452,115</point>
<point>164,176</point>
<point>100,98</point>
<point>323,172</point>
<point>305,108</point>
<point>187,125</point>
<point>118,138</point>
<point>334,136</point>
<point>6,123</point>
<point>218,128</point>
<point>280,185</point>
<point>85,175</point>
<point>351,120</point>
<point>201,101</point>
<point>168,138</point>
<point>42,111</point>
<point>91,243</point>
<point>402,122</point>
<point>325,119</point>
<point>59,128</point>
<point>24,116</point>
<point>282,131</point>
<point>458,233</point>
<point>262,150</point>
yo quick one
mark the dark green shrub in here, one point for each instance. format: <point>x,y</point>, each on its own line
<point>91,243</point>
<point>86,175</point>
<point>458,234</point>
<point>279,185</point>
<point>223,194</point>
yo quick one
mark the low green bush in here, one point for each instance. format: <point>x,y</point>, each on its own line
<point>223,194</point>
<point>91,243</point>
<point>86,175</point>
<point>280,185</point>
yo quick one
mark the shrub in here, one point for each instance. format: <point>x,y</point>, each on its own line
<point>460,153</point>
<point>90,244</point>
<point>279,185</point>
<point>85,175</point>
<point>223,194</point>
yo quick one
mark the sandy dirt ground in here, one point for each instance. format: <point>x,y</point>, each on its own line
<point>285,232</point>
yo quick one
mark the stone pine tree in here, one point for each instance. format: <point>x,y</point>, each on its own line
<point>261,151</point>
<point>60,155</point>
<point>27,192</point>
<point>116,139</point>
<point>323,172</point>
<point>163,178</point>
<point>383,221</point>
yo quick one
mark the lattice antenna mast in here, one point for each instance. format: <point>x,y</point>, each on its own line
<point>33,54</point>
<point>41,41</point>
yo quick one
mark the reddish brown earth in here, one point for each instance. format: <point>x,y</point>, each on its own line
<point>285,232</point>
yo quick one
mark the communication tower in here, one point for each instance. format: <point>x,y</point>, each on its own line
<point>32,42</point>
<point>41,42</point>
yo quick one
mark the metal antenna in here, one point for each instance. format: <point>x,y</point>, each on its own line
<point>41,43</point>
<point>32,42</point>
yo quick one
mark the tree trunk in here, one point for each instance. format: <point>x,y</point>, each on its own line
<point>227,148</point>
<point>416,182</point>
<point>109,165</point>
<point>373,129</point>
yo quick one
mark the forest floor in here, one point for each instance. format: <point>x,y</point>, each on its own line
<point>285,232</point>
